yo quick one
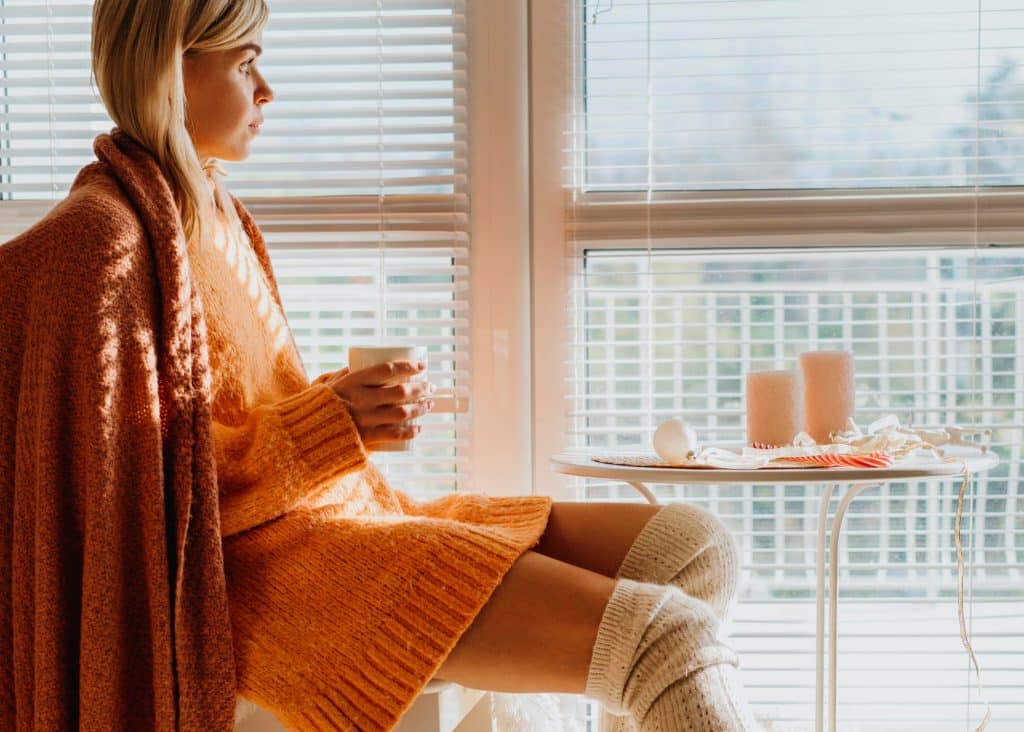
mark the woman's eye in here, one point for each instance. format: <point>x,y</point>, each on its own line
<point>247,65</point>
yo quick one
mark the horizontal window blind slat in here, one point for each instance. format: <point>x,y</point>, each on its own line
<point>318,51</point>
<point>330,8</point>
<point>284,185</point>
<point>384,131</point>
<point>396,237</point>
<point>327,206</point>
<point>338,78</point>
<point>625,81</point>
<point>29,9</point>
<point>284,171</point>
<point>390,118</point>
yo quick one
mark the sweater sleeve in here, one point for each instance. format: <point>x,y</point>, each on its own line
<point>283,454</point>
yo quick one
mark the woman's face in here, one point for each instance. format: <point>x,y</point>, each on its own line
<point>224,96</point>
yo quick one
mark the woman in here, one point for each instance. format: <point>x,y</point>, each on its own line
<point>187,517</point>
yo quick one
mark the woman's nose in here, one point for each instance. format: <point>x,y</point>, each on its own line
<point>264,93</point>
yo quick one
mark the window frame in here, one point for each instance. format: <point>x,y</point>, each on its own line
<point>817,219</point>
<point>499,197</point>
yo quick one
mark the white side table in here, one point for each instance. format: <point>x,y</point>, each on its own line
<point>855,480</point>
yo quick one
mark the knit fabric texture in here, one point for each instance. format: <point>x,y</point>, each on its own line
<point>657,659</point>
<point>690,548</point>
<point>183,515</point>
<point>685,546</point>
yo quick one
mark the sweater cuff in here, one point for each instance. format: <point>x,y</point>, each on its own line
<point>323,432</point>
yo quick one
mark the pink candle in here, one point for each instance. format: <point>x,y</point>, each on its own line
<point>774,408</point>
<point>828,392</point>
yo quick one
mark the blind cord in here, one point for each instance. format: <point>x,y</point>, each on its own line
<point>599,10</point>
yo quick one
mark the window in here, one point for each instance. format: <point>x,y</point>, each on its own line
<point>748,179</point>
<point>359,180</point>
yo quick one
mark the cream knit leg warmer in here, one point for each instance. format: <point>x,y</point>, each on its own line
<point>690,548</point>
<point>657,659</point>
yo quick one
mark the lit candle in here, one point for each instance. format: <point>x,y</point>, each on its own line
<point>774,407</point>
<point>828,392</point>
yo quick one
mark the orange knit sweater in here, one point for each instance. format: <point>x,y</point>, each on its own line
<point>343,595</point>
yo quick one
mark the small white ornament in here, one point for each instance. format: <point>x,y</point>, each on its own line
<point>674,441</point>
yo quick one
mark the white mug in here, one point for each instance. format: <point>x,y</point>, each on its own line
<point>445,400</point>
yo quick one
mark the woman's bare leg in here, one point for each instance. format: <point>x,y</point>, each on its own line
<point>686,546</point>
<point>537,631</point>
<point>596,536</point>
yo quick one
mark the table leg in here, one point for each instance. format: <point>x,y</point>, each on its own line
<point>833,640</point>
<point>644,491</point>
<point>819,629</point>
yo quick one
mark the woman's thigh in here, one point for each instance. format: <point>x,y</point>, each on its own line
<point>595,536</point>
<point>537,631</point>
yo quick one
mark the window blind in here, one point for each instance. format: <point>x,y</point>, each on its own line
<point>802,94</point>
<point>750,179</point>
<point>358,180</point>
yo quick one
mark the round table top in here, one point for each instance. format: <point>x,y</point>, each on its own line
<point>581,463</point>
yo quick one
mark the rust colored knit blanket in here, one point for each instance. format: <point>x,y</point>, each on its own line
<point>173,535</point>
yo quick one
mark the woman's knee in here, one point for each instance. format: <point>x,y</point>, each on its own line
<point>713,535</point>
<point>696,552</point>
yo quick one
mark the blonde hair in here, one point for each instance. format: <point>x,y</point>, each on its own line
<point>137,52</point>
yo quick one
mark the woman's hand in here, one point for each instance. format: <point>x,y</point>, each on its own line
<point>382,400</point>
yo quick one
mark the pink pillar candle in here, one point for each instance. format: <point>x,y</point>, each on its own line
<point>828,392</point>
<point>774,408</point>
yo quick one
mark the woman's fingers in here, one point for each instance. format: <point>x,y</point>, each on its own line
<point>374,386</point>
<point>386,383</point>
<point>396,413</point>
<point>390,433</point>
<point>410,391</point>
<point>383,401</point>
<point>387,373</point>
<point>372,397</point>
